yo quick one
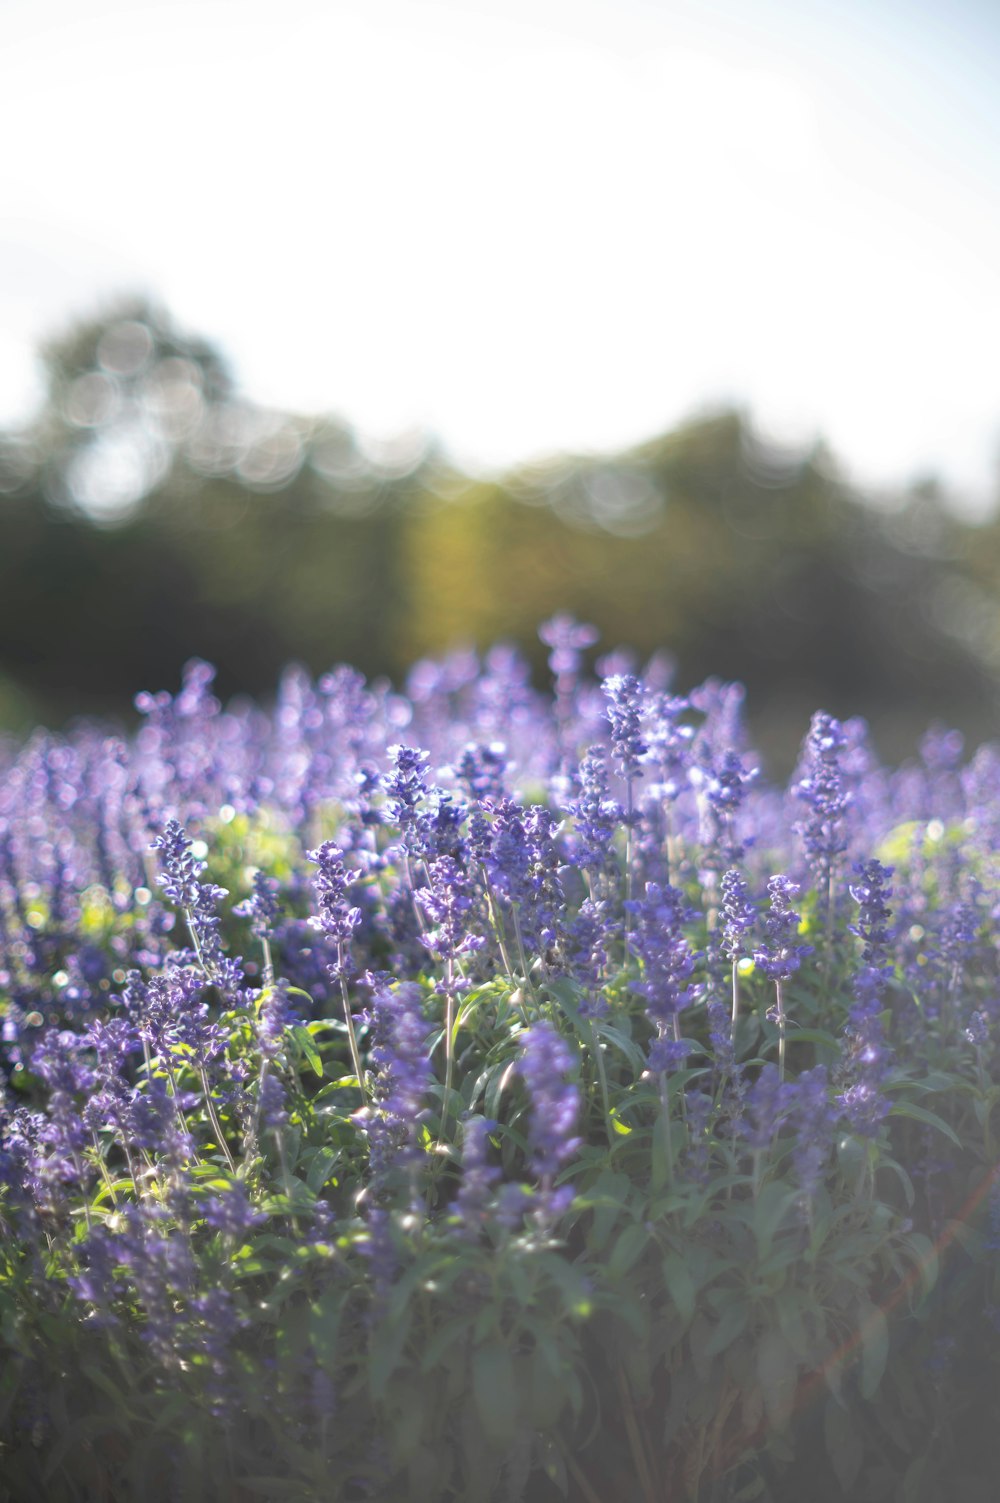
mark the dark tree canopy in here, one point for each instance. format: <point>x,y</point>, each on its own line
<point>152,513</point>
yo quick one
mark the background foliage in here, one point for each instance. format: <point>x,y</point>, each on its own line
<point>150,514</point>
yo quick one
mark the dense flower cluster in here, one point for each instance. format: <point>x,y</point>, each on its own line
<point>387,1032</point>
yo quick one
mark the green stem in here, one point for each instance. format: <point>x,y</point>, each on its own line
<point>106,1176</point>
<point>602,1080</point>
<point>449,1050</point>
<point>642,1467</point>
<point>522,955</point>
<point>667,1132</point>
<point>216,1124</point>
<point>580,1479</point>
<point>497,922</point>
<point>351,1035</point>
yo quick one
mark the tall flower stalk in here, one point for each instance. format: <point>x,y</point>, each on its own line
<point>778,956</point>
<point>338,918</point>
<point>624,696</point>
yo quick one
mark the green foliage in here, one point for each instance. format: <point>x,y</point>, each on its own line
<point>256,540</point>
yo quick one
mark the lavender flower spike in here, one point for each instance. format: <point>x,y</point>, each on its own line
<point>822,788</point>
<point>555,1106</point>
<point>863,1102</point>
<point>624,694</point>
<point>179,878</point>
<point>738,918</point>
<point>779,957</point>
<point>338,919</point>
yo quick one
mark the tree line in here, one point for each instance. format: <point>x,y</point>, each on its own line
<point>150,514</point>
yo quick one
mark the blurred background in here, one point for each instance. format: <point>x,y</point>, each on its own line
<point>361,330</point>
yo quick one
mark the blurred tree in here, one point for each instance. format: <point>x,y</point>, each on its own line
<point>152,514</point>
<point>125,392</point>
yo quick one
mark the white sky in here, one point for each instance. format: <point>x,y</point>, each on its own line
<point>528,225</point>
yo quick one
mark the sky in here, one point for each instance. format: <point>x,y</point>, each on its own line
<point>530,227</point>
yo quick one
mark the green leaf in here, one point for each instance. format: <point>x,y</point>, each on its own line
<point>628,1249</point>
<point>752,1490</point>
<point>85,1428</point>
<point>921,1114</point>
<point>573,1285</point>
<point>874,1335</point>
<point>814,1036</point>
<point>795,1307</point>
<point>770,1209</point>
<point>919,1484</point>
<point>324,1326</point>
<point>623,1044</point>
<point>925,1257</point>
<point>320,1168</point>
<point>498,1081</point>
<point>733,1321</point>
<point>296,991</point>
<point>904,1179</point>
<point>843,1444</point>
<point>305,1042</point>
<point>456,1330</point>
<point>276,1488</point>
<point>606,1198</point>
<point>111,1191</point>
<point>102,1381</point>
<point>386,1350</point>
<point>680,1285</point>
<point>546,1376</point>
<point>495,1391</point>
<point>663,1150</point>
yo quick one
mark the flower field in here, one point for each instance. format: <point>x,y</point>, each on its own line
<point>470,1093</point>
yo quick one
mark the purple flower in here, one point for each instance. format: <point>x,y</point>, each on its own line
<point>406,787</point>
<point>596,815</point>
<point>698,1111</point>
<point>813,1123</point>
<point>862,1101</point>
<point>508,856</point>
<point>479,1176</point>
<point>624,695</point>
<point>261,907</point>
<point>230,1212</point>
<point>274,1014</point>
<point>338,917</point>
<point>272,1102</point>
<point>587,949</point>
<point>739,915</point>
<point>180,880</point>
<point>568,638</point>
<point>179,869</point>
<point>448,903</point>
<point>545,1060</point>
<point>870,892</point>
<point>669,742</point>
<point>481,769</point>
<point>404,1077</point>
<point>778,956</point>
<point>667,965</point>
<point>822,789</point>
<point>767,1104</point>
<point>721,787</point>
<point>941,749</point>
<point>978,1030</point>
